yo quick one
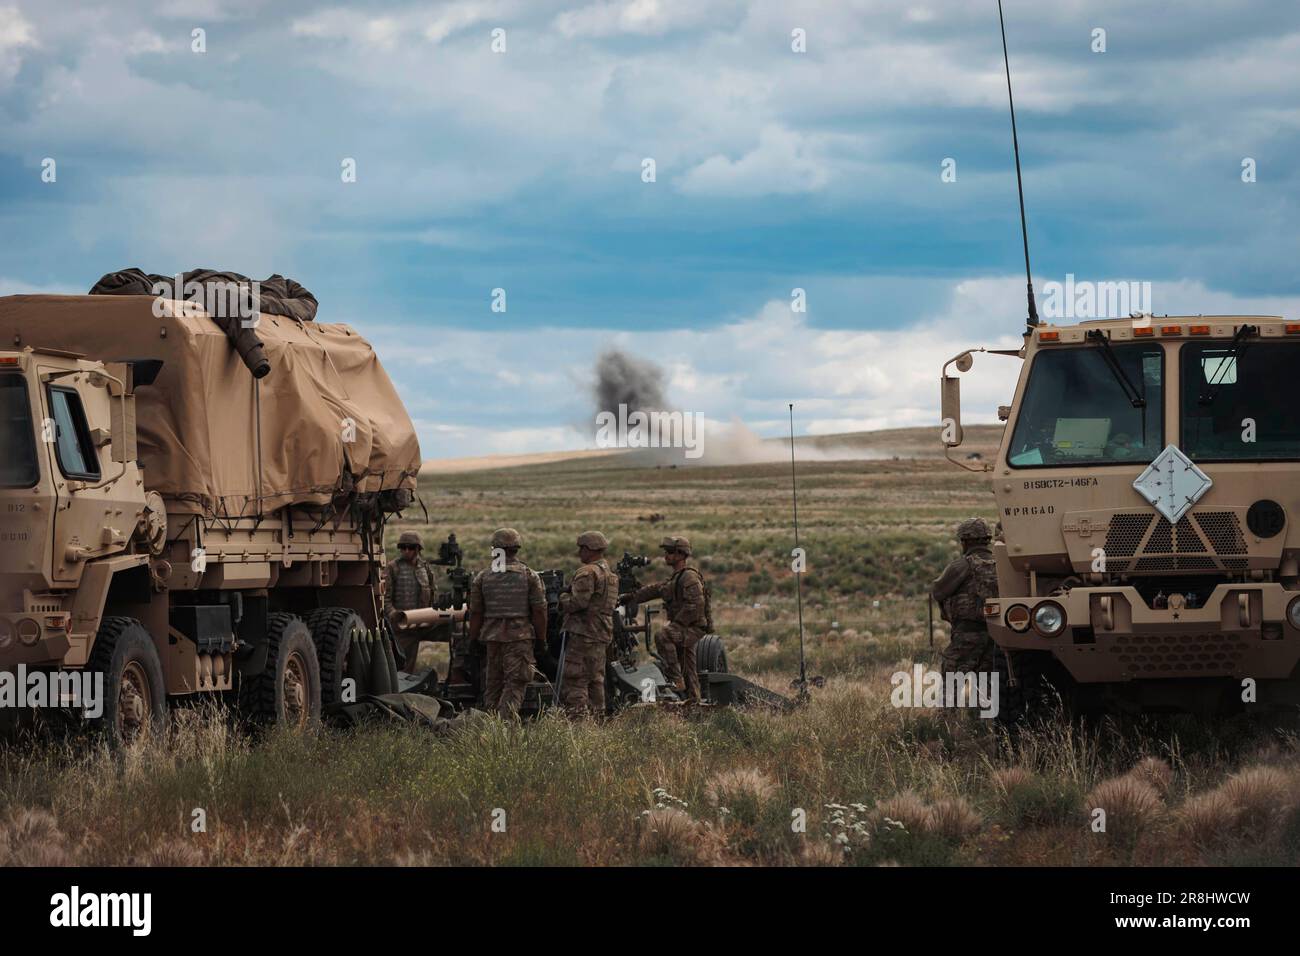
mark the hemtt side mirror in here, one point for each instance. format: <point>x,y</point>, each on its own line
<point>950,400</point>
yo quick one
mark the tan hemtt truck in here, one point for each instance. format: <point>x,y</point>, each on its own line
<point>176,524</point>
<point>1145,483</point>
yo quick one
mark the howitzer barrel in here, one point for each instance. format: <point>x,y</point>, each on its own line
<point>424,616</point>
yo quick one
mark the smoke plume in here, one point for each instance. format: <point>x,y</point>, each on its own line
<point>623,379</point>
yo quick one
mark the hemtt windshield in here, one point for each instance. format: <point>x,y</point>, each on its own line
<point>1079,409</point>
<point>17,440</point>
<point>1236,404</point>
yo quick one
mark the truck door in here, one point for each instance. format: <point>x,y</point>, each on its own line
<point>75,463</point>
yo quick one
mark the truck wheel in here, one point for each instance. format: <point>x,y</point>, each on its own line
<point>135,701</point>
<point>333,629</point>
<point>288,690</point>
<point>710,655</point>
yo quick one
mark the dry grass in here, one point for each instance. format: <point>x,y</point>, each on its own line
<point>1131,804</point>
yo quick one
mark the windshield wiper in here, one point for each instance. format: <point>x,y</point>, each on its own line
<point>1136,398</point>
<point>1236,349</point>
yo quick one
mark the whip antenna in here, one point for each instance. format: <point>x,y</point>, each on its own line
<point>1020,185</point>
<point>801,682</point>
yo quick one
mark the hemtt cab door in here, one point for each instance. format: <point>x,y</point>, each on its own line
<point>68,432</point>
<point>25,512</point>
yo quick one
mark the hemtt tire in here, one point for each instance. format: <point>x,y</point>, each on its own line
<point>710,655</point>
<point>334,629</point>
<point>134,695</point>
<point>288,689</point>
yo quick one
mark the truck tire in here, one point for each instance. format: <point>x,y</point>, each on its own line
<point>288,690</point>
<point>710,655</point>
<point>135,700</point>
<point>333,629</point>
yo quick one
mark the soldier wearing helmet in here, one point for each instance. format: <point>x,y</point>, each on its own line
<point>408,584</point>
<point>588,608</point>
<point>961,592</point>
<point>685,600</point>
<point>507,611</point>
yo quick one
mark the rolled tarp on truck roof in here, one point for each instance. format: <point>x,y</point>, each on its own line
<point>329,414</point>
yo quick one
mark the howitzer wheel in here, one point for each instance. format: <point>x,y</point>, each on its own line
<point>333,629</point>
<point>135,701</point>
<point>288,690</point>
<point>710,655</point>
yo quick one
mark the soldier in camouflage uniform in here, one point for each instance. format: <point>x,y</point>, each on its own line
<point>687,611</point>
<point>507,611</point>
<point>408,584</point>
<point>961,591</point>
<point>588,608</point>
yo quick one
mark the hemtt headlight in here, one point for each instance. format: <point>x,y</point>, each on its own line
<point>1293,613</point>
<point>1018,618</point>
<point>1049,619</point>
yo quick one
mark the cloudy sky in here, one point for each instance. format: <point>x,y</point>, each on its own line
<point>481,169</point>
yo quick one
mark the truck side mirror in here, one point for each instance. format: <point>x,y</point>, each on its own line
<point>118,381</point>
<point>951,404</point>
<point>950,396</point>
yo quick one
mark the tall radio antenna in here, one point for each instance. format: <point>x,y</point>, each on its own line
<point>801,682</point>
<point>1020,184</point>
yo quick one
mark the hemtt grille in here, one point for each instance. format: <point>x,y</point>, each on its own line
<point>1156,655</point>
<point>1202,541</point>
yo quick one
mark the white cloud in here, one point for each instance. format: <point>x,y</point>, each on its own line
<point>370,33</point>
<point>784,161</point>
<point>636,17</point>
<point>16,35</point>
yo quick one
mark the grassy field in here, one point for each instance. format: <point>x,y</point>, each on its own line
<point>846,780</point>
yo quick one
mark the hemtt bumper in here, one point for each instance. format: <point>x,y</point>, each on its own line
<point>1110,634</point>
<point>34,637</point>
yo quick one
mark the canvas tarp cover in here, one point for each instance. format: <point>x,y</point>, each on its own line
<point>326,408</point>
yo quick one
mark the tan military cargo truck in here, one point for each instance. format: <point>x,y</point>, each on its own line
<point>176,524</point>
<point>1145,482</point>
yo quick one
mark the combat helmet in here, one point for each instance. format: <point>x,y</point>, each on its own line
<point>974,529</point>
<point>676,543</point>
<point>506,538</point>
<point>593,541</point>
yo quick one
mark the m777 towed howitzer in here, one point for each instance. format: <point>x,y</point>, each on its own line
<point>633,673</point>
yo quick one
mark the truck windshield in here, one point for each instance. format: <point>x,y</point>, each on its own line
<point>1235,406</point>
<point>17,439</point>
<point>1076,412</point>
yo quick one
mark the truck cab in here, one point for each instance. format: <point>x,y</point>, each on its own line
<point>1144,485</point>
<point>72,496</point>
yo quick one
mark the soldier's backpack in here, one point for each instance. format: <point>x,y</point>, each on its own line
<point>980,583</point>
<point>708,595</point>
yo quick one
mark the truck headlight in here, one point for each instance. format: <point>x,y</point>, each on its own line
<point>1018,618</point>
<point>1049,619</point>
<point>1293,613</point>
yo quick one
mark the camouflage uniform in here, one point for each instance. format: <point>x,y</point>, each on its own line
<point>961,591</point>
<point>506,600</point>
<point>684,606</point>
<point>588,609</point>
<point>408,584</point>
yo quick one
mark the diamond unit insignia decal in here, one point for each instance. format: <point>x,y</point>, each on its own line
<point>1172,483</point>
